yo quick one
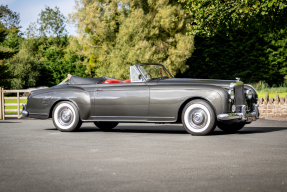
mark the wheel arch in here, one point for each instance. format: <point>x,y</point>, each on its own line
<point>183,104</point>
<point>61,100</point>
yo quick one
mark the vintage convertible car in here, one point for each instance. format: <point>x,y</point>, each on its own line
<point>151,95</point>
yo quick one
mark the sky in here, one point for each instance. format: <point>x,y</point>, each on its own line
<point>30,9</point>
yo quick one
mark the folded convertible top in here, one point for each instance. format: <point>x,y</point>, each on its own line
<point>87,81</point>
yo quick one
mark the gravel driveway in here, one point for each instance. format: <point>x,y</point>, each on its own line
<point>34,156</point>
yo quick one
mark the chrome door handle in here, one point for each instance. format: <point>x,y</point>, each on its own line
<point>99,90</point>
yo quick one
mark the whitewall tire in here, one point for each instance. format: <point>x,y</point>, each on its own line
<point>198,117</point>
<point>66,117</point>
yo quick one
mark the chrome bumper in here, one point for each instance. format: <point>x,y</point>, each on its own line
<point>24,112</point>
<point>243,116</point>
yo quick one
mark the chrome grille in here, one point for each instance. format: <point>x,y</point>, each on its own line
<point>239,95</point>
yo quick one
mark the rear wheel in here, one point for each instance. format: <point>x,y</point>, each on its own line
<point>106,126</point>
<point>230,128</point>
<point>198,117</point>
<point>66,117</point>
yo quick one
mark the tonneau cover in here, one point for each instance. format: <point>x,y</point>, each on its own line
<point>87,81</point>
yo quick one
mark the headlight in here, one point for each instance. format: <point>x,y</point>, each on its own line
<point>248,94</point>
<point>231,93</point>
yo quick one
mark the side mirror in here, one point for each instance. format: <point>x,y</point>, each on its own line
<point>140,77</point>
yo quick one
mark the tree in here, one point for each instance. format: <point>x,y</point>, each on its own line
<point>9,41</point>
<point>8,18</point>
<point>117,34</point>
<point>52,22</point>
<point>251,57</point>
<point>58,61</point>
<point>48,42</point>
<point>212,16</point>
<point>25,70</point>
<point>238,38</point>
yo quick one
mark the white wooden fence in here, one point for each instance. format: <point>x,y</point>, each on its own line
<point>18,104</point>
<point>18,111</point>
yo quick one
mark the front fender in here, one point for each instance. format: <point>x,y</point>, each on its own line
<point>217,98</point>
<point>77,96</point>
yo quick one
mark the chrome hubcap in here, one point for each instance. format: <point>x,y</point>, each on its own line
<point>197,118</point>
<point>65,116</point>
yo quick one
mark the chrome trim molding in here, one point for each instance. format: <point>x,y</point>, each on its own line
<point>243,110</point>
<point>256,110</point>
<point>44,114</point>
<point>131,121</point>
<point>132,117</point>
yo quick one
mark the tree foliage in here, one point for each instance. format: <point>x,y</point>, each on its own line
<point>117,34</point>
<point>44,57</point>
<point>212,16</point>
<point>251,57</point>
<point>8,18</point>
<point>9,41</point>
<point>52,22</point>
<point>58,60</point>
<point>25,70</point>
<point>240,38</point>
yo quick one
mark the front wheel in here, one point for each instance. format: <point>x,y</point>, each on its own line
<point>66,117</point>
<point>230,128</point>
<point>106,126</point>
<point>198,117</point>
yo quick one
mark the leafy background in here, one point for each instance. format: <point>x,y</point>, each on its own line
<point>193,38</point>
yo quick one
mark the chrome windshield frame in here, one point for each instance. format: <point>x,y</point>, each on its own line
<point>138,73</point>
<point>138,69</point>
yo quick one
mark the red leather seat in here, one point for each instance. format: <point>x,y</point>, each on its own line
<point>127,81</point>
<point>113,81</point>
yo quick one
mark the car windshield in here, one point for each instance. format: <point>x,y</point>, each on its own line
<point>153,71</point>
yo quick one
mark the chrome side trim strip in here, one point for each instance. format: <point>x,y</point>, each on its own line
<point>133,117</point>
<point>132,121</point>
<point>44,114</point>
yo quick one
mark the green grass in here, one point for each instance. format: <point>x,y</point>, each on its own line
<point>14,107</point>
<point>262,87</point>
<point>271,94</point>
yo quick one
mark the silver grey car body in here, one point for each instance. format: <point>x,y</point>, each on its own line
<point>155,100</point>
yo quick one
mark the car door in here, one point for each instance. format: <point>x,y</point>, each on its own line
<point>121,102</point>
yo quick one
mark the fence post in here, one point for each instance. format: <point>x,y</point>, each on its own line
<point>18,105</point>
<point>3,104</point>
<point>0,103</point>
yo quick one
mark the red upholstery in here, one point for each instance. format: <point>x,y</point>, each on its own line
<point>113,81</point>
<point>127,81</point>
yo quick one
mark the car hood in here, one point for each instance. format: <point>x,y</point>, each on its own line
<point>216,82</point>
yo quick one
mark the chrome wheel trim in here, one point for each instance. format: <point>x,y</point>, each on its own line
<point>64,116</point>
<point>197,118</point>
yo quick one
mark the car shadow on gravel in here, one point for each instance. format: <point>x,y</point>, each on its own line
<point>214,133</point>
<point>176,130</point>
<point>136,130</point>
<point>251,130</point>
